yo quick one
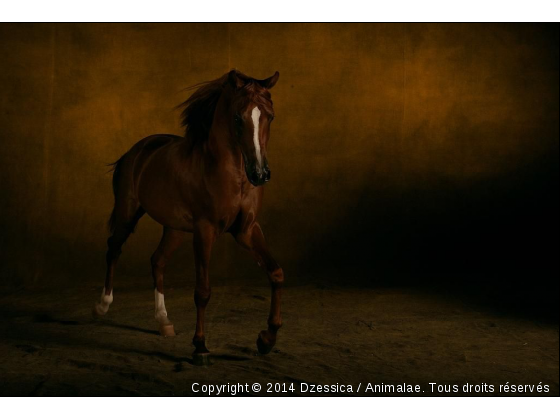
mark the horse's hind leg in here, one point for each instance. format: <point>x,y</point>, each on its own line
<point>126,218</point>
<point>170,241</point>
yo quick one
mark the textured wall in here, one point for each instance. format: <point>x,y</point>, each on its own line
<point>396,148</point>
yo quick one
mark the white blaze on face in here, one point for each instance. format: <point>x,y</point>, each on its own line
<point>255,116</point>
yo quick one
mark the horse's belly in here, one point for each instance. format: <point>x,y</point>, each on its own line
<point>178,222</point>
<point>166,209</point>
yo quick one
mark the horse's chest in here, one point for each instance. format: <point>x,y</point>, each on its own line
<point>238,209</point>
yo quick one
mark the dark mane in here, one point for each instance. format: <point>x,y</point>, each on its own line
<point>198,109</point>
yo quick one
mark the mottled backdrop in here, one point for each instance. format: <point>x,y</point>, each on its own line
<point>424,153</point>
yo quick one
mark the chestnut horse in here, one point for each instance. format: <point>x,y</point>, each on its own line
<point>207,183</point>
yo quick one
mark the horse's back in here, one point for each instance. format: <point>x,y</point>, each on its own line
<point>154,142</point>
<point>144,149</point>
<point>129,166</point>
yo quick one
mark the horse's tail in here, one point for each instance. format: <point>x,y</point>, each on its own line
<point>116,169</point>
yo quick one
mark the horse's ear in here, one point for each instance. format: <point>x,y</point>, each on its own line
<point>236,79</point>
<point>270,82</point>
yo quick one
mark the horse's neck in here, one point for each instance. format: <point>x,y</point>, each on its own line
<point>224,151</point>
<point>220,147</point>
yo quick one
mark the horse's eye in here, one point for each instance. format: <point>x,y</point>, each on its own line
<point>237,119</point>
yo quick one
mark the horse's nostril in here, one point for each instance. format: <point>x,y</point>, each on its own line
<point>267,175</point>
<point>255,177</point>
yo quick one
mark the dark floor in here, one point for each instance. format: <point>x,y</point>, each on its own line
<point>51,346</point>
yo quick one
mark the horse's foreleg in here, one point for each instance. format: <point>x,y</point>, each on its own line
<point>203,240</point>
<point>254,241</point>
<point>170,241</point>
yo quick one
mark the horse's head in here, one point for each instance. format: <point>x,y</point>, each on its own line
<point>250,118</point>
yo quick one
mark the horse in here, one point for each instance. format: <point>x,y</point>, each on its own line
<point>207,182</point>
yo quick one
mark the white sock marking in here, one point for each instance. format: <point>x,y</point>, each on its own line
<point>255,115</point>
<point>104,302</point>
<point>160,311</point>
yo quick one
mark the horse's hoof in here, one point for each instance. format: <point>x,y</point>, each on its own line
<point>167,330</point>
<point>264,345</point>
<point>201,359</point>
<point>97,311</point>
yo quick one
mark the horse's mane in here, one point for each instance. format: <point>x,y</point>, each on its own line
<point>198,109</point>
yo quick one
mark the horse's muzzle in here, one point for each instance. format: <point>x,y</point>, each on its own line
<point>258,177</point>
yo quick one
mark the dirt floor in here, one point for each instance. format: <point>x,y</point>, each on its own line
<point>347,336</point>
